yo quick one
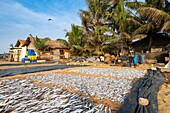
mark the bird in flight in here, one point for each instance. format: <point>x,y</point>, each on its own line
<point>49,19</point>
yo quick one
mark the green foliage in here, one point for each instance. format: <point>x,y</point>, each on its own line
<point>40,43</point>
<point>106,23</point>
<point>134,5</point>
<point>76,39</point>
<point>62,41</point>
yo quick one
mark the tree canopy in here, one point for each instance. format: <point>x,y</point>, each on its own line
<point>40,43</point>
<point>109,22</point>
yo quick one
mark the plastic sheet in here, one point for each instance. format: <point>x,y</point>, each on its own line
<point>146,87</point>
<point>14,71</point>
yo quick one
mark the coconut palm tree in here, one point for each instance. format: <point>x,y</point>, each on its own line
<point>96,25</point>
<point>62,41</point>
<point>108,21</point>
<point>151,17</point>
<point>76,39</point>
<point>40,43</point>
<point>154,20</point>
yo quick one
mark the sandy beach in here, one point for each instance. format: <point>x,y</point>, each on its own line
<point>97,83</point>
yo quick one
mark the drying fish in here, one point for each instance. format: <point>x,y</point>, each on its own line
<point>24,96</point>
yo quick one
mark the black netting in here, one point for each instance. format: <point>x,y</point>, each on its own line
<point>147,88</point>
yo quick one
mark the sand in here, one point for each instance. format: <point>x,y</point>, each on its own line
<point>163,94</point>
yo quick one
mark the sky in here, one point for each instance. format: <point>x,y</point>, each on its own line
<point>19,18</point>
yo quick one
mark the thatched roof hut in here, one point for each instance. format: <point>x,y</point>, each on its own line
<point>51,44</point>
<point>160,40</point>
<point>55,44</point>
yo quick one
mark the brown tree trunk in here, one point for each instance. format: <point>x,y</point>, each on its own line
<point>150,43</point>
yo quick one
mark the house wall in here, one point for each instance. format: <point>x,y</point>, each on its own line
<point>32,46</point>
<point>17,54</point>
<point>24,51</point>
<point>66,53</point>
<point>56,50</point>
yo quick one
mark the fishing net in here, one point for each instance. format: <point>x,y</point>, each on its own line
<point>143,96</point>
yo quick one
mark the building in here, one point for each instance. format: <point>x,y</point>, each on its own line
<point>55,50</point>
<point>159,43</point>
<point>159,47</point>
<point>16,52</point>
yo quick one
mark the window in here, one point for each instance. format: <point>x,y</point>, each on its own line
<point>61,52</point>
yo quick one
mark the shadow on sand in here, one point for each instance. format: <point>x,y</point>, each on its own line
<point>33,69</point>
<point>147,88</point>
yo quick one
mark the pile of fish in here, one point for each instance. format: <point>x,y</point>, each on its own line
<point>102,87</point>
<point>115,72</point>
<point>22,96</point>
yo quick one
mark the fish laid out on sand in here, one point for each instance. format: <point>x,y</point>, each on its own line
<point>115,88</point>
<point>17,95</point>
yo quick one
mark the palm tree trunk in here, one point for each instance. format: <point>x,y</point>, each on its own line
<point>150,43</point>
<point>98,51</point>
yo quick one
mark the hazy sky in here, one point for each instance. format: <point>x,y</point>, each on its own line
<point>19,18</point>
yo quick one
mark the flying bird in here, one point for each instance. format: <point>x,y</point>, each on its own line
<point>49,19</point>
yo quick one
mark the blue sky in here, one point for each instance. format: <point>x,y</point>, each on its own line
<point>19,18</point>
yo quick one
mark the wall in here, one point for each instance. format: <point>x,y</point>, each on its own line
<point>24,50</point>
<point>54,55</point>
<point>17,54</point>
<point>32,46</point>
<point>67,54</point>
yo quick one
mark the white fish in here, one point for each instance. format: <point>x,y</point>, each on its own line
<point>77,111</point>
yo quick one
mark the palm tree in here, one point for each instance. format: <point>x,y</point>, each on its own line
<point>76,39</point>
<point>151,17</point>
<point>62,41</point>
<point>108,22</point>
<point>95,24</point>
<point>40,43</point>
<point>154,20</point>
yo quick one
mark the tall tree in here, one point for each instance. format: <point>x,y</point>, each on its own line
<point>108,21</point>
<point>154,20</point>
<point>95,24</point>
<point>40,43</point>
<point>150,18</point>
<point>76,39</point>
<point>62,41</point>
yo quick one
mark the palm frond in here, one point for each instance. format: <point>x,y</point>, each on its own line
<point>125,35</point>
<point>133,21</point>
<point>37,39</point>
<point>134,5</point>
<point>154,15</point>
<point>115,2</point>
<point>137,37</point>
<point>112,41</point>
<point>166,27</point>
<point>62,41</point>
<point>43,41</point>
<point>140,36</point>
<point>78,47</point>
<point>144,29</point>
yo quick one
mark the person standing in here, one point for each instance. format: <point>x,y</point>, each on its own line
<point>131,56</point>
